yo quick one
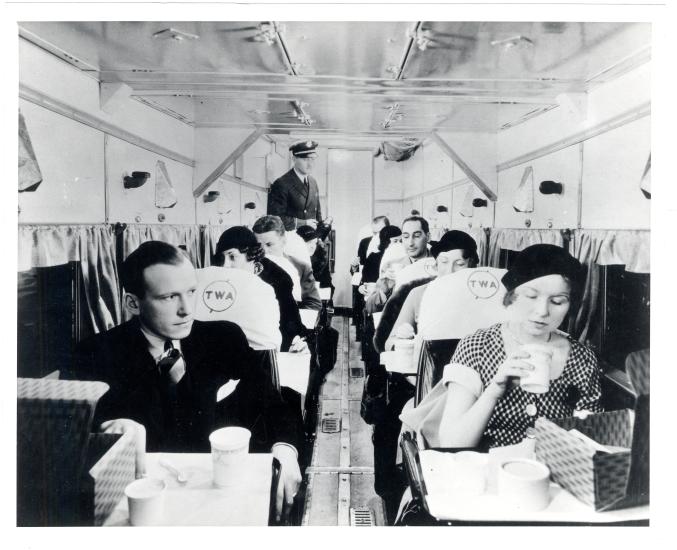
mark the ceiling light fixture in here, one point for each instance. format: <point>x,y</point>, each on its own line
<point>267,32</point>
<point>422,38</point>
<point>175,34</point>
<point>513,41</point>
<point>393,115</point>
<point>301,114</point>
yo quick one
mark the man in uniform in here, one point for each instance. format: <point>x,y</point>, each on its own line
<point>294,196</point>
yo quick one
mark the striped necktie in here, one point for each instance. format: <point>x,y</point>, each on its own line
<point>172,365</point>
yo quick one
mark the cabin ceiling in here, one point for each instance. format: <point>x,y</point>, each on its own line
<point>349,79</point>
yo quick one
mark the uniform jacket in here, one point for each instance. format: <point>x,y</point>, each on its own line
<point>214,353</point>
<point>289,199</point>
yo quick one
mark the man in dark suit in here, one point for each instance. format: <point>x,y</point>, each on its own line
<point>294,196</point>
<point>164,369</point>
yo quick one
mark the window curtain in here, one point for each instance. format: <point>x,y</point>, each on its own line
<point>595,248</point>
<point>480,236</point>
<point>519,239</point>
<point>211,234</point>
<point>94,247</point>
<point>178,235</point>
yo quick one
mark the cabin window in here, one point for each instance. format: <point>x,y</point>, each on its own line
<point>624,314</point>
<point>50,320</point>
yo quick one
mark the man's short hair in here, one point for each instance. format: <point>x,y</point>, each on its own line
<point>385,220</point>
<point>148,254</point>
<point>421,220</point>
<point>269,223</point>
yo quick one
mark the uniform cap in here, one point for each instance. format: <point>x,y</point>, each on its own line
<point>304,149</point>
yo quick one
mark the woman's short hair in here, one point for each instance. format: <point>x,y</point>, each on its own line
<point>242,239</point>
<point>148,254</point>
<point>387,233</point>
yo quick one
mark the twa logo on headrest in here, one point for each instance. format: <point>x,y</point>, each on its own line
<point>219,296</point>
<point>483,284</point>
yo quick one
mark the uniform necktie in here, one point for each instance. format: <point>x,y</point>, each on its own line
<point>172,364</point>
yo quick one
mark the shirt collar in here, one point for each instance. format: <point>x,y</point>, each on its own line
<point>299,175</point>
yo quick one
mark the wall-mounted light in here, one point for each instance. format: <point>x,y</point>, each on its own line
<point>415,212</point>
<point>211,196</point>
<point>479,203</point>
<point>137,179</point>
<point>250,206</point>
<point>442,208</point>
<point>551,187</point>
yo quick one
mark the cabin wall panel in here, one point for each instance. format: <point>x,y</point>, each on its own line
<point>126,205</point>
<point>388,179</point>
<point>414,203</point>
<point>259,198</point>
<point>225,210</point>
<point>392,209</point>
<point>319,172</point>
<point>481,217</point>
<point>439,222</point>
<point>438,167</point>
<point>613,164</point>
<point>561,210</point>
<point>478,150</point>
<point>57,79</point>
<point>412,174</point>
<point>71,160</point>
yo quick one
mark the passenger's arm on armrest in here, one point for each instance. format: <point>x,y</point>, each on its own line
<point>465,416</point>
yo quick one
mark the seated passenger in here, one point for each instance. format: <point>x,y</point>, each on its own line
<point>319,259</point>
<point>387,235</point>
<point>164,369</point>
<point>485,404</point>
<point>238,248</point>
<point>456,250</point>
<point>270,232</point>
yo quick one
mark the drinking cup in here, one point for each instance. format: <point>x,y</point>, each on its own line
<point>145,499</point>
<point>538,380</point>
<point>230,447</point>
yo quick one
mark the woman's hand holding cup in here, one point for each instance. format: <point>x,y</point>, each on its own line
<point>514,366</point>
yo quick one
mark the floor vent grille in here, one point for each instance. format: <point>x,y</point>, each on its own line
<point>362,517</point>
<point>331,425</point>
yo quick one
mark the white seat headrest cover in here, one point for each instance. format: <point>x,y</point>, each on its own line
<point>458,304</point>
<point>239,296</point>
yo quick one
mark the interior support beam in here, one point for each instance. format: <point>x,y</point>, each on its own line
<point>472,176</point>
<point>228,161</point>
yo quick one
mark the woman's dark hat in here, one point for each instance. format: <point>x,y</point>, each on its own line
<point>454,240</point>
<point>238,237</point>
<point>540,260</point>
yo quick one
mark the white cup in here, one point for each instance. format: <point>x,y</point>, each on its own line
<point>538,380</point>
<point>524,483</point>
<point>404,353</point>
<point>145,499</point>
<point>230,447</point>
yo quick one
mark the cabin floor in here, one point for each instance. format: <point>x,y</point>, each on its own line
<point>340,478</point>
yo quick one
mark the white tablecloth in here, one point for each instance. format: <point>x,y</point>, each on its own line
<point>198,502</point>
